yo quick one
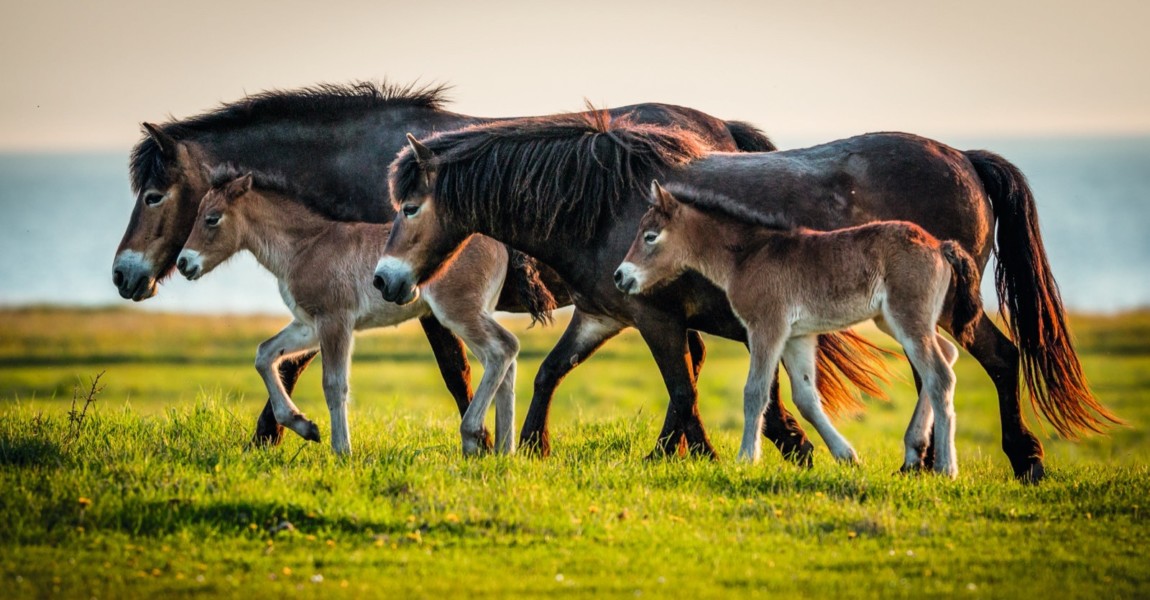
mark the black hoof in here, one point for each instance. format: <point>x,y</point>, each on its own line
<point>1033,473</point>
<point>801,454</point>
<point>918,469</point>
<point>703,451</point>
<point>312,433</point>
<point>486,441</point>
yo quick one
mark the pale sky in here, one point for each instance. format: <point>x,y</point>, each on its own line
<point>83,75</point>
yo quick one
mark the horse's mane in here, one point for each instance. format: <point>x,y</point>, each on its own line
<point>716,203</point>
<point>540,173</point>
<point>324,99</point>
<point>221,175</point>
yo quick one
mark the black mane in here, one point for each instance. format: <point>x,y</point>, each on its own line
<point>327,99</point>
<point>223,174</point>
<point>716,203</point>
<point>542,172</point>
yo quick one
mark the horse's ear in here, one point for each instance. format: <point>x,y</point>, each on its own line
<point>422,153</point>
<point>239,186</point>
<point>662,199</point>
<point>166,142</point>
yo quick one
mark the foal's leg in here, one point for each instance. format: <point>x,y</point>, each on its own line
<point>292,342</point>
<point>268,431</point>
<point>799,360</point>
<point>451,357</point>
<point>335,341</point>
<point>583,336</point>
<point>497,349</point>
<point>916,440</point>
<point>766,346</point>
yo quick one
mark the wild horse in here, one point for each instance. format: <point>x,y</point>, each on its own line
<point>570,191</point>
<point>788,284</point>
<point>324,272</point>
<point>335,141</point>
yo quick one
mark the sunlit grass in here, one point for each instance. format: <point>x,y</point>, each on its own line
<point>152,492</point>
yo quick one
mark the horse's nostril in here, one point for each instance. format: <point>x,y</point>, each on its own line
<point>118,278</point>
<point>182,264</point>
<point>378,283</point>
<point>618,276</point>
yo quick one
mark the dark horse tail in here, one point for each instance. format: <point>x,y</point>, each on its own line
<point>525,288</point>
<point>1028,297</point>
<point>965,283</point>
<point>847,363</point>
<point>749,138</point>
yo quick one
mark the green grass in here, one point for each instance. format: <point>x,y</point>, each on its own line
<point>152,492</point>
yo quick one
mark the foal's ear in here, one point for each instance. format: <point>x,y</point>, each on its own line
<point>661,199</point>
<point>422,153</point>
<point>239,186</point>
<point>166,142</point>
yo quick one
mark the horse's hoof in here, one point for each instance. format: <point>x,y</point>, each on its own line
<point>912,469</point>
<point>1033,473</point>
<point>311,434</point>
<point>801,454</point>
<point>535,446</point>
<point>486,441</point>
<point>703,451</point>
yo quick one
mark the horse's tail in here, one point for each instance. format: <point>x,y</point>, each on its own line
<point>848,358</point>
<point>524,288</point>
<point>749,138</point>
<point>1029,300</point>
<point>965,283</point>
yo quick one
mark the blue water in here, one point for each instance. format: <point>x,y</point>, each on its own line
<point>62,216</point>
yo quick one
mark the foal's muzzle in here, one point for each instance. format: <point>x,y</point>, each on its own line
<point>395,281</point>
<point>626,279</point>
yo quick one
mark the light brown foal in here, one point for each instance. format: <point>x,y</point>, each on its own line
<point>324,270</point>
<point>787,285</point>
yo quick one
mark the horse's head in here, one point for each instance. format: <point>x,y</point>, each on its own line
<point>216,234</point>
<point>658,253</point>
<point>421,242</point>
<point>169,182</point>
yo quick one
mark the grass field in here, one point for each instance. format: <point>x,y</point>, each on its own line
<point>151,492</point>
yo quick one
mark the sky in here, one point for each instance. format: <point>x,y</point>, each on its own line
<point>83,75</point>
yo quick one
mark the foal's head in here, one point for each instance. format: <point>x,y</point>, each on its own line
<point>420,242</point>
<point>659,253</point>
<point>216,235</point>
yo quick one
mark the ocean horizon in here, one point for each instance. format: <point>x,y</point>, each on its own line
<point>62,215</point>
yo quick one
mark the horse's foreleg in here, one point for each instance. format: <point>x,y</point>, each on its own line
<point>666,337</point>
<point>583,336</point>
<point>799,360</point>
<point>335,342</point>
<point>296,342</point>
<point>453,366</point>
<point>268,431</point>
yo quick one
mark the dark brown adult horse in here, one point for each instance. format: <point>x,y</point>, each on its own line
<point>334,140</point>
<point>571,191</point>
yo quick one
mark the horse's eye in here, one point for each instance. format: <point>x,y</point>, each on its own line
<point>650,237</point>
<point>410,210</point>
<point>153,198</point>
<point>212,220</point>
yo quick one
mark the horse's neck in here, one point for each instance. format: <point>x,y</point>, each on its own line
<point>344,161</point>
<point>277,229</point>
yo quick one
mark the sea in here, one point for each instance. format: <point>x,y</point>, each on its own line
<point>62,215</point>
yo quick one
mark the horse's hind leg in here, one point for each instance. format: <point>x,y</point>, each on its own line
<point>583,336</point>
<point>268,431</point>
<point>296,342</point>
<point>999,357</point>
<point>335,340</point>
<point>451,357</point>
<point>799,360</point>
